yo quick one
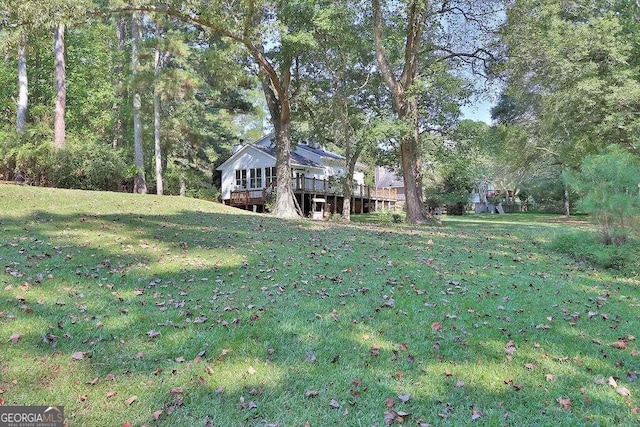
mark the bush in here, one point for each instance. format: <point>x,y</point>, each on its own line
<point>608,183</point>
<point>90,166</point>
<point>588,247</point>
<point>29,155</point>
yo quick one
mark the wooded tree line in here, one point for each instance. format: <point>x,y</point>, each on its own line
<point>88,85</point>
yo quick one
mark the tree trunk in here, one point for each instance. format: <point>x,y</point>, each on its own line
<point>156,114</point>
<point>278,103</point>
<point>59,129</point>
<point>23,84</point>
<point>404,104</point>
<point>139,181</point>
<point>567,204</point>
<point>121,30</point>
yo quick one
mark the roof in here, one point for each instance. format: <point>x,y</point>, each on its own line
<point>321,152</point>
<point>296,159</point>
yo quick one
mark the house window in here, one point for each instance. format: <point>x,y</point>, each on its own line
<point>269,175</point>
<point>255,178</point>
<point>241,178</point>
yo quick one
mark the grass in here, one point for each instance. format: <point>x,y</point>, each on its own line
<point>179,312</point>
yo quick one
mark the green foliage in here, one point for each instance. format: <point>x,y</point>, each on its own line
<point>589,247</point>
<point>29,155</point>
<point>608,183</point>
<point>90,166</point>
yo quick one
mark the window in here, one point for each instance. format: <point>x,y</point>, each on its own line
<point>269,175</point>
<point>255,178</point>
<point>241,178</point>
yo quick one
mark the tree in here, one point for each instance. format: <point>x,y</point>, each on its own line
<point>572,75</point>
<point>23,84</point>
<point>275,36</point>
<point>410,47</point>
<point>59,128</point>
<point>156,111</point>
<point>609,183</point>
<point>339,87</point>
<point>139,181</point>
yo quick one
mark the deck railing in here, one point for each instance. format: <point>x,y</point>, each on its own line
<point>316,186</point>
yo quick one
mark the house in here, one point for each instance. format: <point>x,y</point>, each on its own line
<point>248,178</point>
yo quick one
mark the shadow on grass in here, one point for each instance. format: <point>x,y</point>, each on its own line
<point>263,321</point>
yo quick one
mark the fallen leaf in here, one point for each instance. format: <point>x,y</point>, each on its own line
<point>251,370</point>
<point>389,402</point>
<point>550,377</point>
<point>404,398</point>
<point>612,382</point>
<point>334,404</point>
<point>131,399</point>
<point>153,334</point>
<point>15,338</point>
<point>623,391</point>
<point>110,394</point>
<point>564,402</point>
<point>460,384</point>
<point>475,414</point>
<point>530,366</point>
<point>620,344</point>
<point>156,415</point>
<point>78,355</point>
<point>311,393</point>
<point>177,390</point>
<point>436,326</point>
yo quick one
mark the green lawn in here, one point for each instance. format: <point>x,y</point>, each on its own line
<point>166,311</point>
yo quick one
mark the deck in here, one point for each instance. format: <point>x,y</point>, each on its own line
<point>305,188</point>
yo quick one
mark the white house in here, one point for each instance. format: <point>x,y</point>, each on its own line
<point>248,175</point>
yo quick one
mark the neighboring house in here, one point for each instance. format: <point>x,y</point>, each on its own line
<point>386,178</point>
<point>248,178</point>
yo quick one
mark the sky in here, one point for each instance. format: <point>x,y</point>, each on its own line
<point>479,112</point>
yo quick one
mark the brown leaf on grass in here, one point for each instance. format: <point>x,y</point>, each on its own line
<point>334,404</point>
<point>620,344</point>
<point>436,326</point>
<point>375,350</point>
<point>156,415</point>
<point>311,393</point>
<point>208,369</point>
<point>623,391</point>
<point>389,402</point>
<point>530,366</point>
<point>15,338</point>
<point>139,355</point>
<point>550,377</point>
<point>180,359</point>
<point>131,399</point>
<point>564,402</point>
<point>476,414</point>
<point>404,398</point>
<point>460,384</point>
<point>177,390</point>
<point>153,334</point>
<point>110,394</point>
<point>612,382</point>
<point>93,381</point>
<point>79,355</point>
<point>251,370</point>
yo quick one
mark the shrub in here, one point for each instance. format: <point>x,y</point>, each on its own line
<point>588,247</point>
<point>29,154</point>
<point>90,166</point>
<point>608,183</point>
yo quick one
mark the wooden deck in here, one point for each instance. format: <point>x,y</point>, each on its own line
<point>362,196</point>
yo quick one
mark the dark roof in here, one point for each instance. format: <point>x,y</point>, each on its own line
<point>295,157</point>
<point>321,152</point>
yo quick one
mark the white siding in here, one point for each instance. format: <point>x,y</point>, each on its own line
<point>247,158</point>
